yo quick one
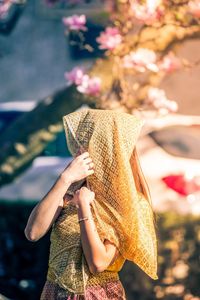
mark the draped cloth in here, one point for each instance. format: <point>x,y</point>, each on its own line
<point>121,212</point>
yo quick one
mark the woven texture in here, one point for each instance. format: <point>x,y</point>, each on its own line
<point>121,213</point>
<point>67,264</point>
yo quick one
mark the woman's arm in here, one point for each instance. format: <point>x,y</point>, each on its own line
<point>48,209</point>
<point>98,255</point>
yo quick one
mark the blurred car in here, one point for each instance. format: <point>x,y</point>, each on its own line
<point>170,159</point>
<point>169,155</point>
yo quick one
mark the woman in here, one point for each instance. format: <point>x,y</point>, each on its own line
<point>99,210</point>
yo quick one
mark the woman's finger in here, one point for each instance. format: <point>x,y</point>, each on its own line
<point>90,172</point>
<point>91,165</point>
<point>84,155</point>
<point>88,160</point>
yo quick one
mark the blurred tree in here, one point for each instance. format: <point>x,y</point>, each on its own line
<point>28,136</point>
<point>139,46</point>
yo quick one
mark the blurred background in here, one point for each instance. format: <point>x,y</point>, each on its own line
<point>141,57</point>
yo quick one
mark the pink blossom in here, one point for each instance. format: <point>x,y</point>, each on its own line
<point>169,63</point>
<point>148,12</point>
<point>90,86</point>
<point>194,8</point>
<point>75,22</point>
<point>171,105</point>
<point>159,100</point>
<point>157,97</point>
<point>85,84</point>
<point>75,76</point>
<point>142,59</point>
<point>109,39</point>
<point>4,7</point>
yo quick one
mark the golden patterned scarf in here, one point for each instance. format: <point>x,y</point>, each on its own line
<point>121,211</point>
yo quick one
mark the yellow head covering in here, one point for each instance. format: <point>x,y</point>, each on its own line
<point>122,213</point>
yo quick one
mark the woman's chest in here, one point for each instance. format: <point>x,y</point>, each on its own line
<point>66,227</point>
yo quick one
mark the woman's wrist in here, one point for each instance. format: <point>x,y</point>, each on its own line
<point>83,205</point>
<point>83,209</point>
<point>66,179</point>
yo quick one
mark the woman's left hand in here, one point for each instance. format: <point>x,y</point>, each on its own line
<point>84,196</point>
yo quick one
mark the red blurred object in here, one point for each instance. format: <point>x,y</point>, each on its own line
<point>181,184</point>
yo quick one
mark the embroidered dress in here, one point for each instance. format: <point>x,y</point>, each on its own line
<point>68,275</point>
<point>121,211</point>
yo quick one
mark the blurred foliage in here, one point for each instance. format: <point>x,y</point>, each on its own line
<point>178,260</point>
<point>29,135</point>
<point>23,265</point>
<point>140,52</point>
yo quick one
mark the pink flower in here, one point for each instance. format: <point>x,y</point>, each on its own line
<point>85,84</point>
<point>157,97</point>
<point>75,22</point>
<point>75,76</point>
<point>148,12</point>
<point>90,86</point>
<point>109,39</point>
<point>169,63</point>
<point>142,59</point>
<point>159,100</point>
<point>194,8</point>
<point>171,106</point>
<point>4,7</point>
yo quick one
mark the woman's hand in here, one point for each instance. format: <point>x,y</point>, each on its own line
<point>80,167</point>
<point>84,196</point>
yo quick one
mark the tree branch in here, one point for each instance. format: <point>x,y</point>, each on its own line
<point>28,136</point>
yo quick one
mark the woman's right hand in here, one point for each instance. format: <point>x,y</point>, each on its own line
<point>80,167</point>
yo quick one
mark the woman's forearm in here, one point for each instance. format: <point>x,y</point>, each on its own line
<point>97,256</point>
<point>46,211</point>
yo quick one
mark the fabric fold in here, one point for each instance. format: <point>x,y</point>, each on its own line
<point>121,211</point>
